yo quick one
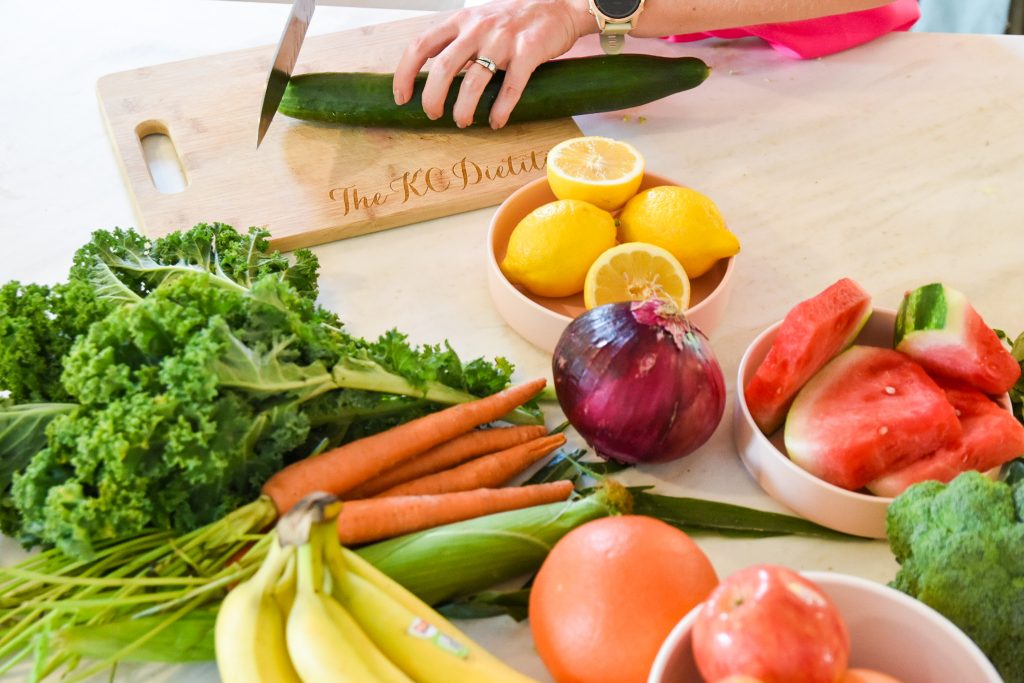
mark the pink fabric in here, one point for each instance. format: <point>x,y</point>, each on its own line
<point>818,37</point>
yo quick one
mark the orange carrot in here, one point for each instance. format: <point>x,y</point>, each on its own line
<point>487,471</point>
<point>341,469</point>
<point>363,521</point>
<point>447,455</point>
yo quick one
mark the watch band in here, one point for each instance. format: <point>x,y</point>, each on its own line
<point>613,36</point>
<point>613,30</point>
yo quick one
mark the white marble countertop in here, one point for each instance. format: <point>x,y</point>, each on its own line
<point>897,164</point>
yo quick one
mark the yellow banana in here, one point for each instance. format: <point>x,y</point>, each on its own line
<point>382,667</point>
<point>350,561</point>
<point>250,629</point>
<point>284,588</point>
<point>417,645</point>
<point>327,641</point>
<point>319,650</point>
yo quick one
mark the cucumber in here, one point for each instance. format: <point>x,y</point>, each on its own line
<point>560,88</point>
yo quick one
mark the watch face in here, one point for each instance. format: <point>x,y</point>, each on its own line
<point>617,9</point>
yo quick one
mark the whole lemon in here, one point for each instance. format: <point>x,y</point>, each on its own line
<point>551,249</point>
<point>681,220</point>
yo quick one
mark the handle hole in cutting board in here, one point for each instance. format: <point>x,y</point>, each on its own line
<point>162,159</point>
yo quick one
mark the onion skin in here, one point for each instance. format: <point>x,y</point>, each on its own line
<point>639,382</point>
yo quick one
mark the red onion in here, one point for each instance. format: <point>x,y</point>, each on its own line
<point>639,382</point>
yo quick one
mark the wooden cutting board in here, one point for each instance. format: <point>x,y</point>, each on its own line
<point>308,183</point>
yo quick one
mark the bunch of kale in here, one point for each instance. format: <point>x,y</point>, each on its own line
<point>166,380</point>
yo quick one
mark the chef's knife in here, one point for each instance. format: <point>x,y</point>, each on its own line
<point>284,61</point>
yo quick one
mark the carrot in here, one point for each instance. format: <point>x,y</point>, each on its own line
<point>341,469</point>
<point>447,455</point>
<point>373,519</point>
<point>487,471</point>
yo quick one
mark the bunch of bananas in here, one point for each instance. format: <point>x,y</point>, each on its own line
<point>316,612</point>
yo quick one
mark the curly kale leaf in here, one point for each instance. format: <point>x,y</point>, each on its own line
<point>199,365</point>
<point>22,435</point>
<point>961,550</point>
<point>124,266</point>
<point>38,324</point>
<point>192,397</point>
<point>159,441</point>
<point>437,363</point>
<point>220,249</point>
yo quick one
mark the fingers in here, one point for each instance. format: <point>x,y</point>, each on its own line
<point>416,55</point>
<point>474,81</point>
<point>529,52</point>
<point>446,64</point>
<point>518,35</point>
<point>516,78</point>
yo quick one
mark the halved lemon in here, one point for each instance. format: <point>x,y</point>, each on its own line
<point>594,169</point>
<point>636,271</point>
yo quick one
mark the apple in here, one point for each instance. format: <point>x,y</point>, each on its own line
<point>771,624</point>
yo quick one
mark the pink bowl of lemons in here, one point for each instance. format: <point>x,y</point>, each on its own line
<point>601,229</point>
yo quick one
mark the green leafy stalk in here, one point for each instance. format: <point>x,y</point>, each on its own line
<point>189,639</point>
<point>570,466</point>
<point>134,599</point>
<point>695,516</point>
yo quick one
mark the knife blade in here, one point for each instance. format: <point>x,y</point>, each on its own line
<point>284,61</point>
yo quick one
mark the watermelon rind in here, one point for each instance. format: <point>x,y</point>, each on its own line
<point>937,327</point>
<point>930,316</point>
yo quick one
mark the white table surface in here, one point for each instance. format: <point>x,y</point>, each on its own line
<point>897,164</point>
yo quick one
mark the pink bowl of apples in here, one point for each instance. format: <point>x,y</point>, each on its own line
<point>768,623</point>
<point>835,415</point>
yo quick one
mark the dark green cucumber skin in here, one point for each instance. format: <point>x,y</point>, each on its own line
<point>557,89</point>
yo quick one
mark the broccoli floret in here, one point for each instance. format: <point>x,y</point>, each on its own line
<point>961,551</point>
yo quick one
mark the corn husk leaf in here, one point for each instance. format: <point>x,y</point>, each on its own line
<point>467,557</point>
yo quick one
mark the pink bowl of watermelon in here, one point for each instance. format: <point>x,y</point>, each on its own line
<point>765,457</point>
<point>848,506</point>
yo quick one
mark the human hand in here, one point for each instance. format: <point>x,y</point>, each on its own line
<point>517,35</point>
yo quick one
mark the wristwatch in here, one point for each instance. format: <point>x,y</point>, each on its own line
<point>615,18</point>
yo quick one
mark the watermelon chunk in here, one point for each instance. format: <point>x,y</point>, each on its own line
<point>867,412</point>
<point>990,436</point>
<point>938,327</point>
<point>810,335</point>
